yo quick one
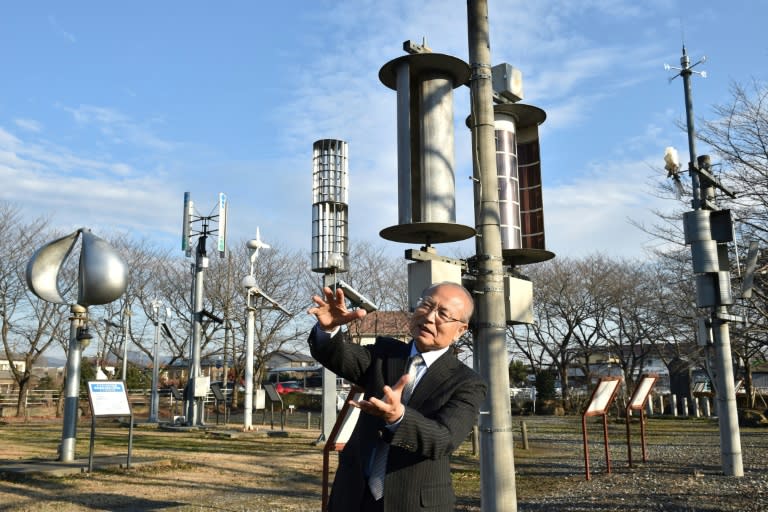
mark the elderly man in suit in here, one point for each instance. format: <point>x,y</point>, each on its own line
<point>420,403</point>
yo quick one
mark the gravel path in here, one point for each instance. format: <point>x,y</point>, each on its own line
<point>257,473</point>
<point>683,471</point>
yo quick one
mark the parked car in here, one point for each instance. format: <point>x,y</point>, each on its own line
<point>288,387</point>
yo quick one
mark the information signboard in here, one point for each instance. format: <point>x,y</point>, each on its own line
<point>342,429</point>
<point>638,402</point>
<point>108,398</point>
<point>603,396</point>
<point>601,400</point>
<point>643,389</point>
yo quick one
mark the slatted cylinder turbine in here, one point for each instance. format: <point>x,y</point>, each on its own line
<point>330,239</point>
<point>518,166</point>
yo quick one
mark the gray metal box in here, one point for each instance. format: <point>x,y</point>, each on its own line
<point>713,289</point>
<point>422,274</point>
<point>519,300</point>
<point>507,81</point>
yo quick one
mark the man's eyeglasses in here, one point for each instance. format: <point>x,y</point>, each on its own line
<point>426,306</point>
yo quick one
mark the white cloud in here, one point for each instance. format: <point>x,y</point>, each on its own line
<point>118,127</point>
<point>60,31</point>
<point>49,180</point>
<point>593,212</point>
<point>29,125</point>
<point>110,164</point>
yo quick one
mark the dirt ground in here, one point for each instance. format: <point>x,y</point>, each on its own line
<point>225,469</point>
<point>212,469</point>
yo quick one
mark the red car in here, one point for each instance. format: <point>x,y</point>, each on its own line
<point>288,387</point>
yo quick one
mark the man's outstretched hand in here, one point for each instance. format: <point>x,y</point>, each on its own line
<point>390,407</point>
<point>331,311</point>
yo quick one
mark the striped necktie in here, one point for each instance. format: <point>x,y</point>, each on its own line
<point>379,466</point>
<point>413,370</point>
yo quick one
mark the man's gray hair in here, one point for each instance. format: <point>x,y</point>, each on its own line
<point>470,301</point>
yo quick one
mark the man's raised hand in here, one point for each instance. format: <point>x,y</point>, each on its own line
<point>331,310</point>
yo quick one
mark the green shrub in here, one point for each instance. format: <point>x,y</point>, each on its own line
<point>303,401</point>
<point>545,385</point>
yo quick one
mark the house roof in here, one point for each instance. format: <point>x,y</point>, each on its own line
<point>5,356</point>
<point>382,323</point>
<point>297,357</point>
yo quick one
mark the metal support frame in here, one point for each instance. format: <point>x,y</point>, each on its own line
<point>72,385</point>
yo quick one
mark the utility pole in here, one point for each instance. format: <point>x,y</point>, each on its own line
<point>497,467</point>
<point>707,230</point>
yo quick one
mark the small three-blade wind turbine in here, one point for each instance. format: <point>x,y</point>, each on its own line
<point>249,281</point>
<point>254,246</point>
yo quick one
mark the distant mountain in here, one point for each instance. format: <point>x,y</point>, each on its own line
<point>51,362</point>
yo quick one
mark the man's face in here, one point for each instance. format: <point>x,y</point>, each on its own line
<point>438,320</point>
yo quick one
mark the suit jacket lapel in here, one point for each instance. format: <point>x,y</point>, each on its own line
<point>395,366</point>
<point>433,379</point>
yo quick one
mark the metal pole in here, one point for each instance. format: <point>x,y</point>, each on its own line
<point>154,399</point>
<point>224,367</point>
<point>125,346</point>
<point>686,73</point>
<point>728,418</point>
<point>497,469</point>
<point>330,397</point>
<point>72,386</point>
<point>248,402</point>
<point>194,405</point>
<point>730,438</point>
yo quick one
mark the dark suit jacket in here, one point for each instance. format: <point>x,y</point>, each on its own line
<point>438,417</point>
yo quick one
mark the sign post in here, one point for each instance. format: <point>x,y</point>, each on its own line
<point>108,398</point>
<point>337,439</point>
<point>602,398</point>
<point>637,403</point>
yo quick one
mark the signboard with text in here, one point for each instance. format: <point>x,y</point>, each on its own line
<point>108,398</point>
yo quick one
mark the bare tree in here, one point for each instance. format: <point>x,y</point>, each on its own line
<point>569,309</point>
<point>379,277</point>
<point>279,274</point>
<point>632,328</point>
<point>28,325</point>
<point>127,319</point>
<point>739,135</point>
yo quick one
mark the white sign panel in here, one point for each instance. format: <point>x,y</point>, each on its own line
<point>259,399</point>
<point>108,398</point>
<point>641,393</point>
<point>348,422</point>
<point>223,207</point>
<point>601,399</point>
<point>202,386</point>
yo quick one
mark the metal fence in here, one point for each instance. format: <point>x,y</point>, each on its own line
<point>40,402</point>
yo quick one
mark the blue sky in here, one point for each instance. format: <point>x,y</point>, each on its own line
<point>110,111</point>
